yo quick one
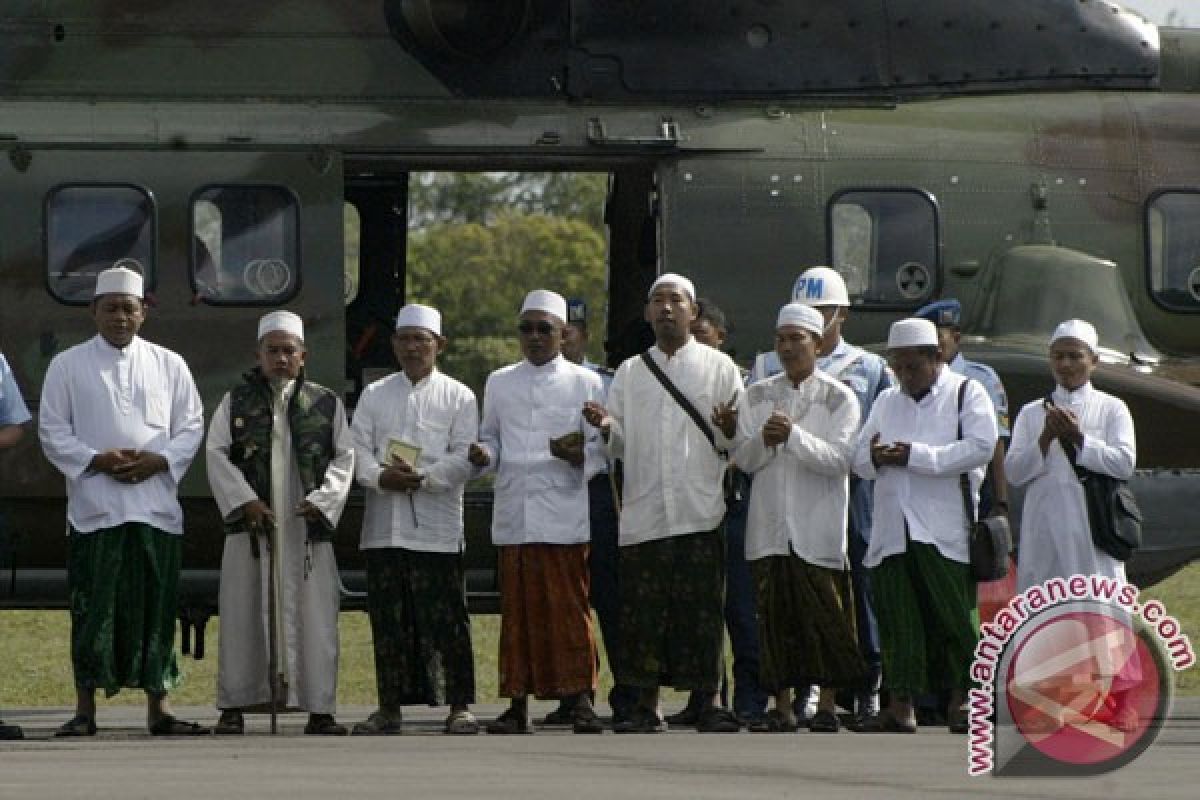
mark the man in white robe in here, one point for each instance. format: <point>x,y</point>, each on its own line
<point>1056,539</point>
<point>280,463</point>
<point>917,442</point>
<point>533,434</point>
<point>799,430</point>
<point>121,419</point>
<point>672,587</point>
<point>411,434</point>
<point>1056,536</point>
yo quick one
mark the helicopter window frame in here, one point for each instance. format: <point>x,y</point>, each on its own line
<point>147,258</point>
<point>867,282</point>
<point>1159,238</point>
<point>291,240</point>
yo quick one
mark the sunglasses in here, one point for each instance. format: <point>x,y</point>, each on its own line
<point>544,328</point>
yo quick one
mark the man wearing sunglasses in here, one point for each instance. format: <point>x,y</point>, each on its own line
<point>533,436</point>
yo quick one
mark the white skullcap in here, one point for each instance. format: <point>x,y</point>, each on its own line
<point>912,332</point>
<point>284,321</point>
<point>1077,329</point>
<point>677,280</point>
<point>415,315</point>
<point>544,300</point>
<point>802,316</point>
<point>119,280</point>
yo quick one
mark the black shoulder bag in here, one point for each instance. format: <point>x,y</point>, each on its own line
<point>989,540</point>
<point>1113,513</point>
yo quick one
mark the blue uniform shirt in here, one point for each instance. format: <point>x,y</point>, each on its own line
<point>606,374</point>
<point>991,382</point>
<point>12,405</point>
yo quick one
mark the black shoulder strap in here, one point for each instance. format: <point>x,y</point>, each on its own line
<point>1069,449</point>
<point>683,402</point>
<point>964,483</point>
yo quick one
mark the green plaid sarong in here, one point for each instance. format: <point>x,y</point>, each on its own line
<point>928,625</point>
<point>123,585</point>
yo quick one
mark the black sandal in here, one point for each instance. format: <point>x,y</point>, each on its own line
<point>170,726</point>
<point>78,725</point>
<point>718,720</point>
<point>509,723</point>
<point>324,725</point>
<point>586,721</point>
<point>824,722</point>
<point>641,720</point>
<point>773,721</point>
<point>231,723</point>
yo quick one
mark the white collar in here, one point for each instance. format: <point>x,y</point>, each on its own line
<point>421,383</point>
<point>1068,397</point>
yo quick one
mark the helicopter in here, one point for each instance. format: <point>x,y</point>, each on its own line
<point>1037,159</point>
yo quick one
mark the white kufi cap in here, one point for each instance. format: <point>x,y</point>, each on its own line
<point>415,315</point>
<point>1077,329</point>
<point>119,280</point>
<point>802,316</point>
<point>912,332</point>
<point>545,300</point>
<point>284,321</point>
<point>678,280</point>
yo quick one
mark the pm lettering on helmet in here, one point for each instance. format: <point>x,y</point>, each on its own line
<point>812,288</point>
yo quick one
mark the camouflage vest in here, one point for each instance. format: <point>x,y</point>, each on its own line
<point>310,418</point>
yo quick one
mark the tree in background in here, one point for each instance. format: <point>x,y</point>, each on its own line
<point>479,241</point>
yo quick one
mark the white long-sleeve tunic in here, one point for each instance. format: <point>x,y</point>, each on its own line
<point>96,398</point>
<point>307,598</point>
<point>540,497</point>
<point>924,497</point>
<point>439,415</point>
<point>801,487</point>
<point>1056,539</point>
<point>673,476</point>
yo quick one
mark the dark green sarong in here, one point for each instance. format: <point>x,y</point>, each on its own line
<point>806,626</point>
<point>672,595</point>
<point>123,584</point>
<point>422,632</point>
<point>928,626</point>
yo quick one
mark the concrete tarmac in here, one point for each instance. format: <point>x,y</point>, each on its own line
<point>124,762</point>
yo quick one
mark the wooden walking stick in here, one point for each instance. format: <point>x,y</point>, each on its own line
<point>272,622</point>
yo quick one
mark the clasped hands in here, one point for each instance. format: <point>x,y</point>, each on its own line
<point>889,455</point>
<point>128,465</point>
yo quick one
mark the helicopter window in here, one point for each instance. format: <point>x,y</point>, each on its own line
<point>89,228</point>
<point>245,247</point>
<point>885,244</point>
<point>1174,241</point>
